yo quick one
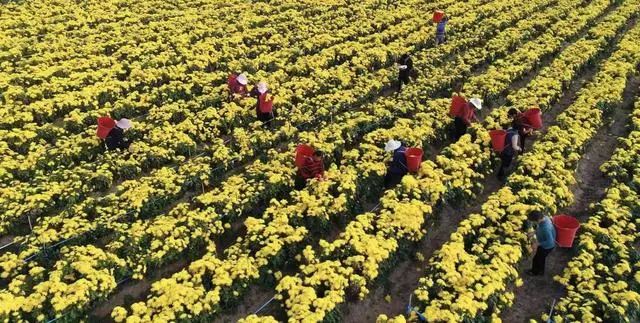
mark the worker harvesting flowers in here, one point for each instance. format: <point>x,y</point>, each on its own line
<point>465,117</point>
<point>398,166</point>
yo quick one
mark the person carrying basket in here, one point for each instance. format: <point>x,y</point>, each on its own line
<point>398,165</point>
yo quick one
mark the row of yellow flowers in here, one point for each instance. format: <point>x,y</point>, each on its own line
<point>391,25</point>
<point>143,269</point>
<point>272,225</point>
<point>468,278</point>
<point>222,37</point>
<point>157,148</point>
<point>252,184</point>
<point>602,279</point>
<point>335,273</point>
<point>180,210</point>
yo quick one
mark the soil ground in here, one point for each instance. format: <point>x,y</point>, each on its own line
<point>536,295</point>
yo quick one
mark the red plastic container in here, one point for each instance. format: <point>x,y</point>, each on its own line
<point>231,82</point>
<point>414,159</point>
<point>566,228</point>
<point>457,103</point>
<point>265,105</point>
<point>533,118</point>
<point>437,16</point>
<point>497,139</point>
<point>105,124</point>
<point>302,152</point>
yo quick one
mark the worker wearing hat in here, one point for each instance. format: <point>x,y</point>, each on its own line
<point>238,84</point>
<point>115,138</point>
<point>398,166</point>
<point>264,111</point>
<point>519,120</point>
<point>466,116</point>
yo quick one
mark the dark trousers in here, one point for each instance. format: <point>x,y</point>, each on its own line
<point>391,180</point>
<point>300,182</point>
<point>122,144</point>
<point>537,267</point>
<point>523,137</point>
<point>403,78</point>
<point>459,128</point>
<point>507,159</point>
<point>266,118</point>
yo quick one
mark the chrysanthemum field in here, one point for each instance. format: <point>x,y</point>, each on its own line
<point>199,221</point>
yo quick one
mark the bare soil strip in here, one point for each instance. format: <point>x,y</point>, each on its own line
<point>537,293</point>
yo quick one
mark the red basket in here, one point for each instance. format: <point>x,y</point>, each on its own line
<point>302,152</point>
<point>265,105</point>
<point>105,124</point>
<point>497,139</point>
<point>414,159</point>
<point>457,103</point>
<point>566,228</point>
<point>533,118</point>
<point>437,16</point>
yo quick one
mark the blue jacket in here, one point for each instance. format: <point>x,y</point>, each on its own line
<point>440,28</point>
<point>508,147</point>
<point>399,162</point>
<point>546,234</point>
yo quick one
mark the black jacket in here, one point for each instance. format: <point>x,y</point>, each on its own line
<point>115,139</point>
<point>405,59</point>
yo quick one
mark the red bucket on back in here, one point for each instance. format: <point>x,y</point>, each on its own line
<point>566,228</point>
<point>533,117</point>
<point>457,103</point>
<point>302,152</point>
<point>414,159</point>
<point>105,124</point>
<point>497,139</point>
<point>437,16</point>
<point>265,105</point>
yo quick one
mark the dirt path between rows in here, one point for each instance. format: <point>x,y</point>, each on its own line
<point>537,293</point>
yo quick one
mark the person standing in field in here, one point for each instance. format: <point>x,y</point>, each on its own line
<point>545,234</point>
<point>398,166</point>
<point>264,107</point>
<point>405,68</point>
<point>511,148</point>
<point>467,115</point>
<point>313,168</point>
<point>441,37</point>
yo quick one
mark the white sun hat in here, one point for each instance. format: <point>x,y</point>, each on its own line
<point>262,87</point>
<point>242,79</point>
<point>392,145</point>
<point>476,103</point>
<point>123,123</point>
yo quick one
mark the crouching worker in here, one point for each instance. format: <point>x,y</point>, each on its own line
<point>524,130</point>
<point>237,85</point>
<point>115,138</point>
<point>313,168</point>
<point>511,148</point>
<point>398,166</point>
<point>465,118</point>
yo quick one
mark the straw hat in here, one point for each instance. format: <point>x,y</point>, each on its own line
<point>262,87</point>
<point>242,79</point>
<point>476,103</point>
<point>392,145</point>
<point>123,123</point>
